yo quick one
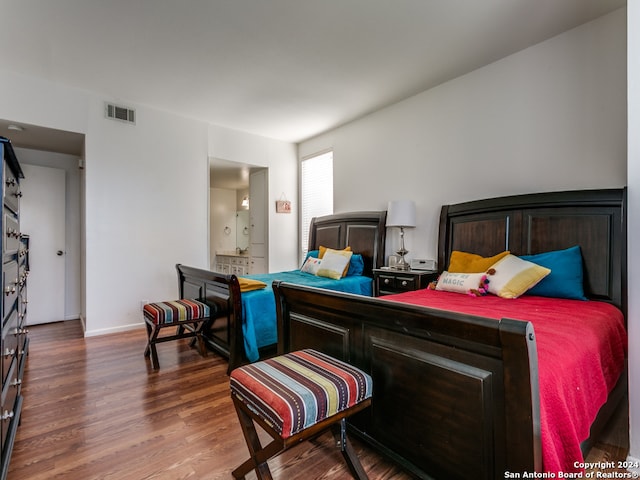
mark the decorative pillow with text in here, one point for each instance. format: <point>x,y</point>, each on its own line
<point>474,284</point>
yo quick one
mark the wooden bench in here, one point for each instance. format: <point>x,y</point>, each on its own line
<point>188,317</point>
<point>293,397</point>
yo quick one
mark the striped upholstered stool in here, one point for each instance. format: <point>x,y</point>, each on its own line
<point>293,397</point>
<point>188,317</point>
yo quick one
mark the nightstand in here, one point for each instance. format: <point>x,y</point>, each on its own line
<point>389,281</point>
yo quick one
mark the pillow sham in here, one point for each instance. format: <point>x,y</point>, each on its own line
<point>566,277</point>
<point>311,265</point>
<point>511,276</point>
<point>474,284</point>
<point>463,262</point>
<point>334,263</point>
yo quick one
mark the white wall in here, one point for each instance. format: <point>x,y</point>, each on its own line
<point>146,193</point>
<point>633,215</point>
<point>146,210</point>
<point>551,117</point>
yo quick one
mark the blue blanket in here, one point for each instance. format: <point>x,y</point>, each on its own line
<point>259,306</point>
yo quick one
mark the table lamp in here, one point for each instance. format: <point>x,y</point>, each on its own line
<point>401,213</point>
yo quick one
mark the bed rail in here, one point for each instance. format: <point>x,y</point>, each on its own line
<point>222,293</point>
<point>455,396</point>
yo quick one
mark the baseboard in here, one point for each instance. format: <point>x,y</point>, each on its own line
<point>106,331</point>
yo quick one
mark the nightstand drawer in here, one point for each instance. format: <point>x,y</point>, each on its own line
<point>386,282</point>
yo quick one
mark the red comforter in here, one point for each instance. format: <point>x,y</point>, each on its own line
<point>581,350</point>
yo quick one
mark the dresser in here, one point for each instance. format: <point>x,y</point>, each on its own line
<point>232,263</point>
<point>15,248</point>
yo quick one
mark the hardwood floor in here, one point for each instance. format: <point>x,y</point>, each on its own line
<point>94,409</point>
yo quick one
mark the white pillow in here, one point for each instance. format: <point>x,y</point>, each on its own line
<point>311,265</point>
<point>334,263</point>
<point>472,283</point>
<point>511,276</point>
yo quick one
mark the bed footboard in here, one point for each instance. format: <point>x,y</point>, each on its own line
<point>222,293</point>
<point>455,396</point>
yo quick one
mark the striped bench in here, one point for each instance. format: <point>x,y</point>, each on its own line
<point>293,397</point>
<point>188,317</point>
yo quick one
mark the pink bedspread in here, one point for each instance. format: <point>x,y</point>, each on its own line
<point>581,350</point>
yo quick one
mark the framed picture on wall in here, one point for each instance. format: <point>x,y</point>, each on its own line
<point>283,206</point>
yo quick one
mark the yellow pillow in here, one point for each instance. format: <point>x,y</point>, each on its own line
<point>335,263</point>
<point>511,276</point>
<point>323,250</point>
<point>463,262</point>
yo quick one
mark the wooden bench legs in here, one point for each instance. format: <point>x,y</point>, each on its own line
<point>349,454</point>
<point>192,329</point>
<point>258,455</point>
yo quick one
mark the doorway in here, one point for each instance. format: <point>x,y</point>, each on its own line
<point>56,149</point>
<point>237,206</point>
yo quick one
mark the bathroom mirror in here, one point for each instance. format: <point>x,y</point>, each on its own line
<point>242,229</point>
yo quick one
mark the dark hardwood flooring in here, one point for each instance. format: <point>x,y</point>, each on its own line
<point>94,409</point>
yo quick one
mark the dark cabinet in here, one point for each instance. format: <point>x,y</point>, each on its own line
<point>388,281</point>
<point>14,346</point>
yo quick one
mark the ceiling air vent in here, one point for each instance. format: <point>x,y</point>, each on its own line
<point>118,112</point>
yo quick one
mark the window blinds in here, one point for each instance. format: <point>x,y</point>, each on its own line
<point>316,192</point>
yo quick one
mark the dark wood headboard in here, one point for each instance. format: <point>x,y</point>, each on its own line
<point>535,223</point>
<point>364,232</point>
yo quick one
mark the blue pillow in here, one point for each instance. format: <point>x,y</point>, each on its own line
<point>565,279</point>
<point>356,265</point>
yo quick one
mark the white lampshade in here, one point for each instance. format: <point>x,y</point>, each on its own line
<point>401,213</point>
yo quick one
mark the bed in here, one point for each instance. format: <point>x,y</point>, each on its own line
<point>464,393</point>
<point>244,327</point>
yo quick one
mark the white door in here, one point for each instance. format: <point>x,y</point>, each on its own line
<point>258,222</point>
<point>42,217</point>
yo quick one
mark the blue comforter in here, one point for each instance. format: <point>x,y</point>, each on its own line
<point>259,306</point>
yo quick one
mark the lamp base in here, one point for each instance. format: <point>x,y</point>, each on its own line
<point>402,264</point>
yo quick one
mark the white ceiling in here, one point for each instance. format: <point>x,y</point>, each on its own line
<point>284,69</point>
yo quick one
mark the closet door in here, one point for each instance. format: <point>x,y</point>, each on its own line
<point>43,219</point>
<point>258,222</point>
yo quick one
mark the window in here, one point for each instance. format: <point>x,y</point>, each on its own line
<point>316,191</point>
